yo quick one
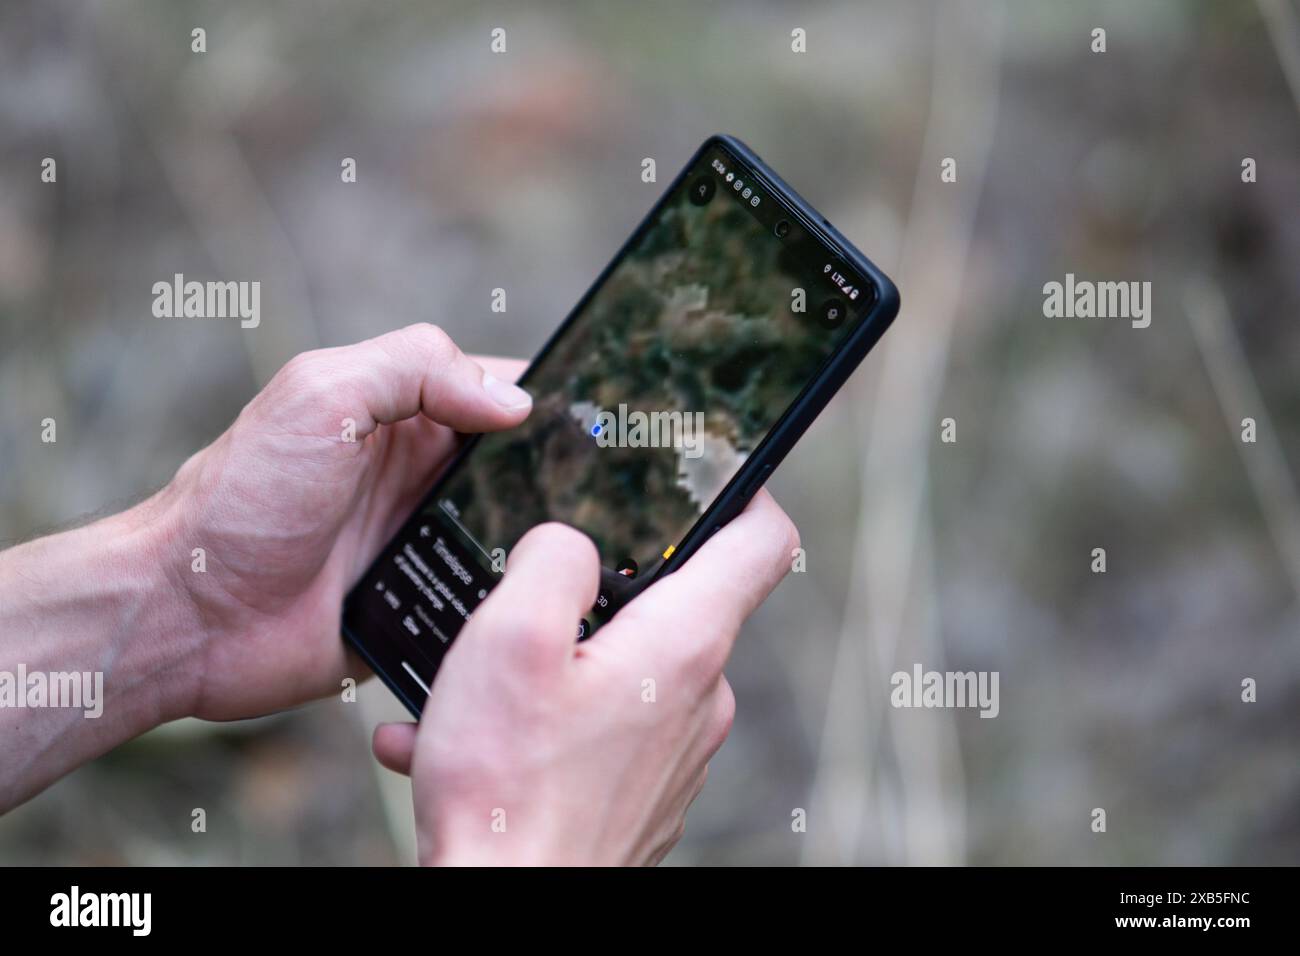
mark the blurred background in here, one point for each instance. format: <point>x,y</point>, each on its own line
<point>522,171</point>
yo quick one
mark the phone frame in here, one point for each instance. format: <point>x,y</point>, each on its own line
<point>391,659</point>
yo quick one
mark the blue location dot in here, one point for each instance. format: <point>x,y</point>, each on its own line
<point>596,429</point>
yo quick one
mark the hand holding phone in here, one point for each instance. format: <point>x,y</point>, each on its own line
<point>264,530</point>
<point>532,753</point>
<point>662,403</point>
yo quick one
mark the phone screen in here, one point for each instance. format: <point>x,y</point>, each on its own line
<point>669,374</point>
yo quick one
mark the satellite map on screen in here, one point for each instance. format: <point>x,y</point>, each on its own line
<point>697,321</point>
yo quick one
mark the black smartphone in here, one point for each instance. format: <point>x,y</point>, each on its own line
<point>661,404</point>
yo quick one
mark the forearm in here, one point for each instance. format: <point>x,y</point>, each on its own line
<point>94,617</point>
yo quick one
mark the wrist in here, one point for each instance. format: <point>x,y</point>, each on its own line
<point>161,631</point>
<point>99,605</point>
<point>133,568</point>
<point>127,574</point>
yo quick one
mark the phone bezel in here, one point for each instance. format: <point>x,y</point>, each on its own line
<point>386,656</point>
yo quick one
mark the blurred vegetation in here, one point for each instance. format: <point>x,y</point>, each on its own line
<point>522,171</point>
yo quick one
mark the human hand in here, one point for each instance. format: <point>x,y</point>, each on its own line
<point>289,512</point>
<point>534,749</point>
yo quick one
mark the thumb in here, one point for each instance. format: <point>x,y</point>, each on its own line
<point>415,370</point>
<point>529,623</point>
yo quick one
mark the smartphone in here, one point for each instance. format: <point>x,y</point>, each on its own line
<point>660,406</point>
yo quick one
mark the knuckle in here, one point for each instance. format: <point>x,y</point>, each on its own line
<point>523,649</point>
<point>679,831</point>
<point>724,715</point>
<point>305,390</point>
<point>530,644</point>
<point>791,532</point>
<point>301,374</point>
<point>433,342</point>
<point>703,660</point>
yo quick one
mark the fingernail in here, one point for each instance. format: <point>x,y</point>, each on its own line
<point>505,394</point>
